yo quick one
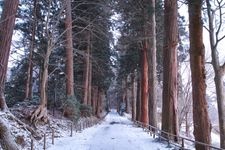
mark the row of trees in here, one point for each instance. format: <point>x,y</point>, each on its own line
<point>148,47</point>
<point>65,59</point>
<point>66,42</point>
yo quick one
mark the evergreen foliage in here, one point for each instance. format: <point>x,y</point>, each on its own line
<point>71,108</point>
<point>88,16</point>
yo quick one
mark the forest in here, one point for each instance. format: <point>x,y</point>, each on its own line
<point>161,62</point>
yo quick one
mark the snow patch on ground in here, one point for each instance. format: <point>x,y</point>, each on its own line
<point>114,133</point>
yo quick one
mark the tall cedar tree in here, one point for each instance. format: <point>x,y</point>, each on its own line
<point>144,84</point>
<point>151,37</point>
<point>87,71</point>
<point>197,56</point>
<point>7,23</point>
<point>169,109</point>
<point>69,51</point>
<point>134,95</point>
<point>219,71</point>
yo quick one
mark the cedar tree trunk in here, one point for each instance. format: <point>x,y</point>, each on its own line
<point>133,95</point>
<point>90,76</point>
<point>87,69</point>
<point>99,103</point>
<point>202,126</point>
<point>69,51</point>
<point>138,102</point>
<point>7,23</point>
<point>169,109</point>
<point>151,33</point>
<point>94,99</point>
<point>144,85</point>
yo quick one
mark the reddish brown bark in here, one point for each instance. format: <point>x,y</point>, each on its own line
<point>7,24</point>
<point>138,102</point>
<point>144,85</point>
<point>90,78</point>
<point>94,99</point>
<point>202,127</point>
<point>133,96</point>
<point>151,33</point>
<point>87,72</point>
<point>169,109</point>
<point>69,51</point>
<point>126,95</point>
<point>99,103</point>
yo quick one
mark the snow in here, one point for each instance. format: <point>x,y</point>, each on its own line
<point>215,139</point>
<point>114,133</point>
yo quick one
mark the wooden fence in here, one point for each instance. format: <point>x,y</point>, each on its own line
<point>180,140</point>
<point>77,127</point>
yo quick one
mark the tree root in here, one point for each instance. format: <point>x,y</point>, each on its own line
<point>40,114</point>
<point>25,127</point>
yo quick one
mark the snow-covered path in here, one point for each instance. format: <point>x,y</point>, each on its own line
<point>114,133</point>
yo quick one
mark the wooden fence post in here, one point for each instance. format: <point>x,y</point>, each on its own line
<point>32,143</point>
<point>182,143</point>
<point>71,130</point>
<point>44,147</point>
<point>53,135</point>
<point>168,143</point>
<point>150,130</point>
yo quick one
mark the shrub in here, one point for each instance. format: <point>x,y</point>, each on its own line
<point>71,108</point>
<point>86,110</point>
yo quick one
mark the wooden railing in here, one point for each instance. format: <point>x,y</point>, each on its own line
<point>77,127</point>
<point>180,139</point>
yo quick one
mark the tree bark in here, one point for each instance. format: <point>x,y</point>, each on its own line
<point>169,108</point>
<point>7,23</point>
<point>94,99</point>
<point>151,33</point>
<point>87,71</point>
<point>90,75</point>
<point>69,51</point>
<point>29,82</point>
<point>40,114</point>
<point>219,74</point>
<point>134,95</point>
<point>126,95</point>
<point>99,103</point>
<point>138,102</point>
<point>144,85</point>
<point>201,120</point>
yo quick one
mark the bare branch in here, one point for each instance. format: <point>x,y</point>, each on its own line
<point>206,28</point>
<point>220,39</point>
<point>220,20</point>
